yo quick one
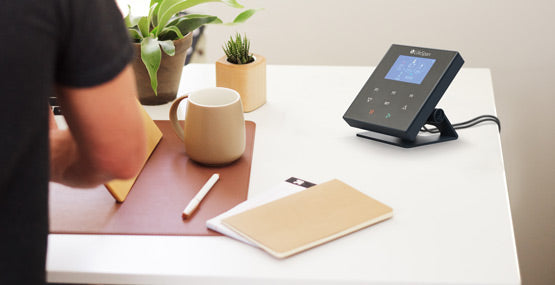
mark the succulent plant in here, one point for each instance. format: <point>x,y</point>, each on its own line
<point>237,50</point>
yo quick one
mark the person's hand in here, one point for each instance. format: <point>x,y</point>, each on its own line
<point>105,138</point>
<point>51,119</point>
<point>63,153</point>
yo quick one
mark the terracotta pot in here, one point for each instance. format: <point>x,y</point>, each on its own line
<point>247,79</point>
<point>169,73</point>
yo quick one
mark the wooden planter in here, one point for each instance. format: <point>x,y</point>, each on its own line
<point>169,73</point>
<point>247,79</point>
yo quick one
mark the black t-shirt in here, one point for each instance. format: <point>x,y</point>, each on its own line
<point>43,43</point>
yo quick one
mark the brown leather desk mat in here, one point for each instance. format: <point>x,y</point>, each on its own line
<point>165,186</point>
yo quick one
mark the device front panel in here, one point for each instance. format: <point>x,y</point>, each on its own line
<point>399,88</point>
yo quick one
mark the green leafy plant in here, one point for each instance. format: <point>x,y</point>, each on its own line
<point>237,50</point>
<point>157,31</point>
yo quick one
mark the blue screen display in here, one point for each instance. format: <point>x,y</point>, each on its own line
<point>410,69</point>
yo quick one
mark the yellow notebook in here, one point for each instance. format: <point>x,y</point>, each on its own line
<point>120,188</point>
<point>308,218</point>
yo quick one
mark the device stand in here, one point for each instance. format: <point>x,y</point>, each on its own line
<point>436,119</point>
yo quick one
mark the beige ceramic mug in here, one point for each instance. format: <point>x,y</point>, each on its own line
<point>214,128</point>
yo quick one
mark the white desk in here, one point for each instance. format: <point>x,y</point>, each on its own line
<point>452,221</point>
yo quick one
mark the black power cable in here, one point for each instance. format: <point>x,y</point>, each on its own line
<point>468,124</point>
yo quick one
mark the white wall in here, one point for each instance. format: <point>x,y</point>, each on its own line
<point>516,39</point>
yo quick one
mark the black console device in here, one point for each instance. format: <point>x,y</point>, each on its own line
<point>401,95</point>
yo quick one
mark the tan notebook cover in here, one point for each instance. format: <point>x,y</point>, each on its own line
<point>120,188</point>
<point>165,186</point>
<point>308,218</point>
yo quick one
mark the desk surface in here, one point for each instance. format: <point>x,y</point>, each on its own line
<point>452,221</point>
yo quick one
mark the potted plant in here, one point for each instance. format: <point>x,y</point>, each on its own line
<point>166,29</point>
<point>243,71</point>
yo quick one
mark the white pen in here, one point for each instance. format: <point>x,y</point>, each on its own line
<point>192,206</point>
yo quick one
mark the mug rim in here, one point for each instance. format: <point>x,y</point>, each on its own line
<point>192,101</point>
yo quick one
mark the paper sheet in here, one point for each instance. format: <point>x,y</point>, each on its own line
<point>287,187</point>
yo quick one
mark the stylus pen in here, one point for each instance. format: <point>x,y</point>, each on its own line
<point>192,206</point>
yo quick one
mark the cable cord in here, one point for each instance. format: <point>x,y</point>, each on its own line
<point>467,124</point>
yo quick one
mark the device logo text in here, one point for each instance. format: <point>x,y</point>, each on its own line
<point>420,52</point>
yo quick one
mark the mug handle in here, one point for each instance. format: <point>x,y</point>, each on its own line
<point>173,118</point>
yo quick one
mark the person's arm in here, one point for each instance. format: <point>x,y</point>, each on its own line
<point>106,137</point>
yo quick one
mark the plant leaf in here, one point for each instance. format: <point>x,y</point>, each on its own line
<point>151,56</point>
<point>190,23</point>
<point>151,12</point>
<point>134,34</point>
<point>216,21</point>
<point>168,47</point>
<point>210,18</point>
<point>233,3</point>
<point>168,8</point>
<point>186,24</point>
<point>244,16</point>
<point>143,26</point>
<point>154,31</point>
<point>154,18</point>
<point>170,33</point>
<point>152,2</point>
<point>130,20</point>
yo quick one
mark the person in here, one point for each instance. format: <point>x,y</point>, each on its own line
<point>80,52</point>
